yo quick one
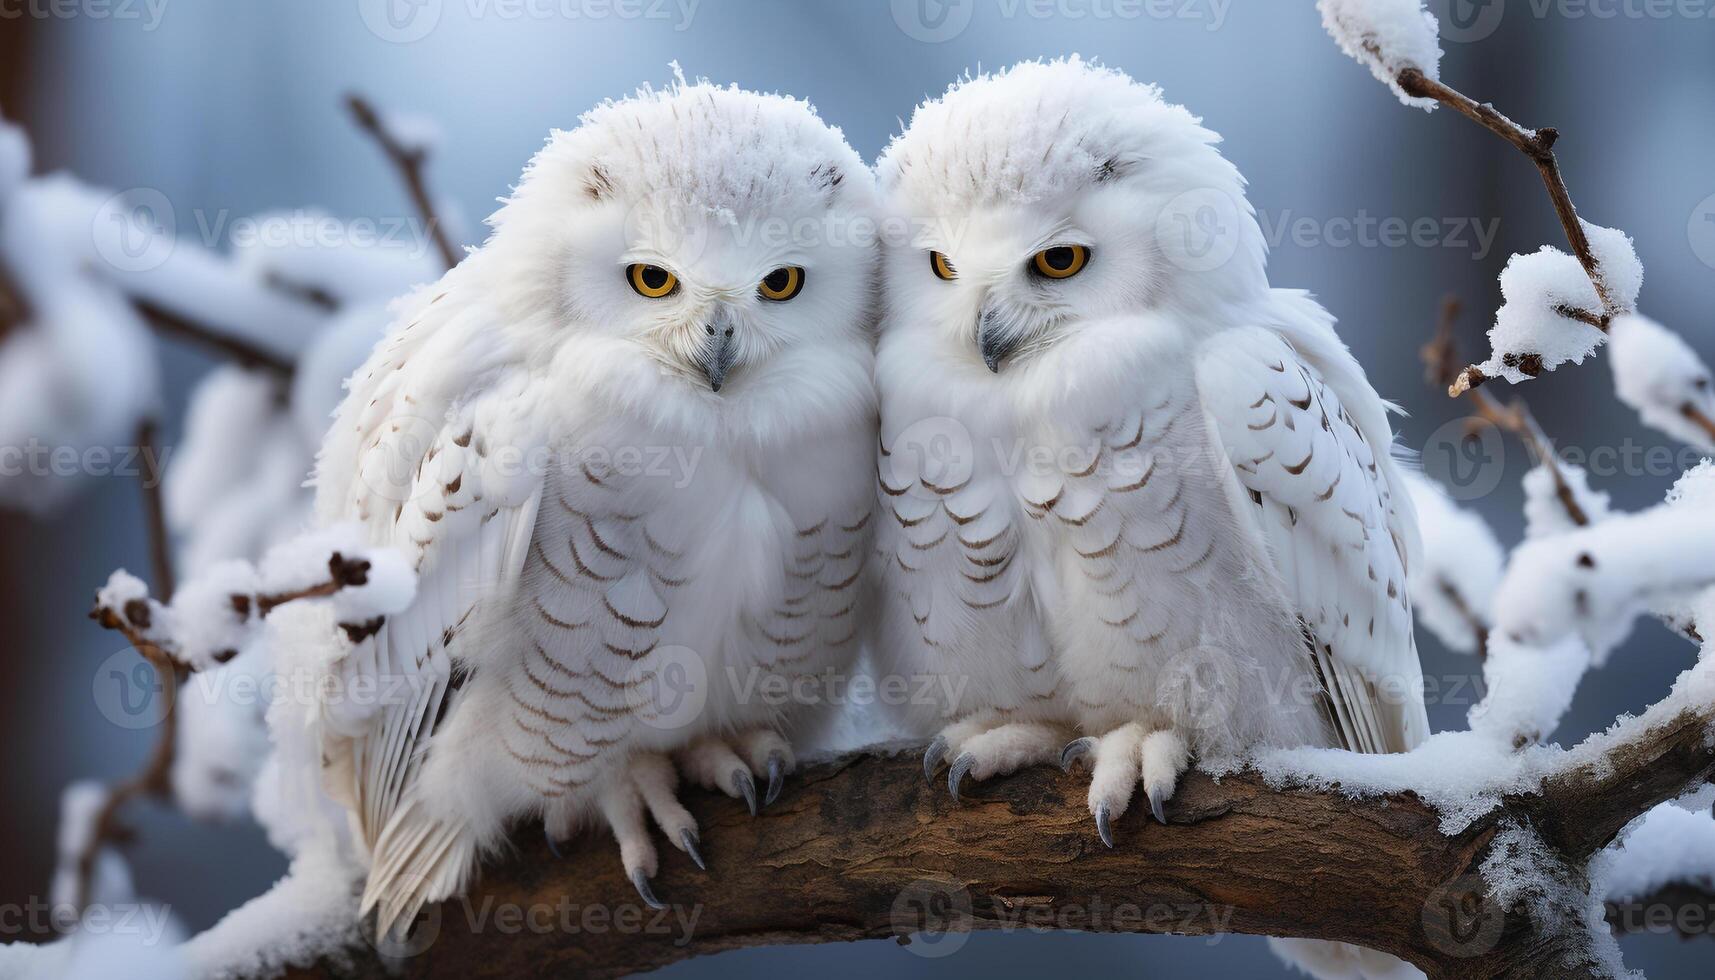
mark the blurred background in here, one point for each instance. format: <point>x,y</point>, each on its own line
<point>234,109</point>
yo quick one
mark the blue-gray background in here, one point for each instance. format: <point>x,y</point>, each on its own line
<point>235,107</point>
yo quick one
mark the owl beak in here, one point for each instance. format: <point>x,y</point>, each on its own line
<point>995,342</point>
<point>719,349</point>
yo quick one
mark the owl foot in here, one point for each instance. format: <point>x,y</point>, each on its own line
<point>734,768</point>
<point>981,749</point>
<point>1122,759</point>
<point>648,783</point>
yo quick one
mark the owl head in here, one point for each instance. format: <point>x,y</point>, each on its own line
<point>702,244</point>
<point>1053,196</point>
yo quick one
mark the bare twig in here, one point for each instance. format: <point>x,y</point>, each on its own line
<point>1538,146</point>
<point>172,324</point>
<point>409,162</point>
<point>1479,627</point>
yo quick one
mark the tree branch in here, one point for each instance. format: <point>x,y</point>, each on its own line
<point>169,323</point>
<point>409,162</point>
<point>865,849</point>
<point>1538,146</point>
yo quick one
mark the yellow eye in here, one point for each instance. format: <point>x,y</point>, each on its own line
<point>651,281</point>
<point>782,284</point>
<point>943,268</point>
<point>1061,261</point>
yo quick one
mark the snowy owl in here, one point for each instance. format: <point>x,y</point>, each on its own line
<point>1138,503</point>
<point>629,444</point>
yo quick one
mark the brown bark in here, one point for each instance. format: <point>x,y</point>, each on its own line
<point>864,848</point>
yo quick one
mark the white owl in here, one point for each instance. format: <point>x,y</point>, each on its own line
<point>629,443</point>
<point>1134,501</point>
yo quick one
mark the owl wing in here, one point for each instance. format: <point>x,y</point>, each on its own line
<point>1322,500</point>
<point>416,455</point>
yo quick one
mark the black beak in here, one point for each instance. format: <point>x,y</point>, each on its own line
<point>993,341</point>
<point>719,350</point>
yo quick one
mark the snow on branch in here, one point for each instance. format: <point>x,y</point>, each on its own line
<point>1388,37</point>
<point>1452,587</point>
<point>1659,375</point>
<point>216,614</point>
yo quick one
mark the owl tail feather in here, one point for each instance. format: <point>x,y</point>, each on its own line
<point>1326,960</point>
<point>418,859</point>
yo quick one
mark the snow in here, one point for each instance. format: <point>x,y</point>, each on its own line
<point>1529,689</point>
<point>303,561</point>
<point>1387,36</point>
<point>1594,580</point>
<point>350,260</point>
<point>1668,845</point>
<point>1527,325</point>
<point>140,946</point>
<point>1461,565</point>
<point>309,914</point>
<point>110,881</point>
<point>1545,513</point>
<point>1617,260</point>
<point>1659,375</point>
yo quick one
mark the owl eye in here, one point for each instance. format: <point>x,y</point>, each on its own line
<point>1061,261</point>
<point>651,281</point>
<point>942,266</point>
<point>782,284</point>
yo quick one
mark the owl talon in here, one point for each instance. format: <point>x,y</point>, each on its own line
<point>641,882</point>
<point>776,777</point>
<point>956,775</point>
<point>1075,750</point>
<point>553,848</point>
<point>1102,828</point>
<point>1156,808</point>
<point>744,785</point>
<point>932,757</point>
<point>688,840</point>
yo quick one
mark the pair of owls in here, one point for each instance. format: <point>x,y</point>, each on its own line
<point>1130,503</point>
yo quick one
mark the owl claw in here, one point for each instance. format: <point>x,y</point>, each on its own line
<point>1102,827</point>
<point>745,786</point>
<point>1160,814</point>
<point>553,848</point>
<point>956,775</point>
<point>641,882</point>
<point>688,838</point>
<point>1075,750</point>
<point>776,777</point>
<point>932,757</point>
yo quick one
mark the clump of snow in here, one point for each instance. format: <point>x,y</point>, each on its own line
<point>1695,487</point>
<point>1388,36</point>
<point>388,587</point>
<point>344,260</point>
<point>137,944</point>
<point>1594,580</point>
<point>1530,335</point>
<point>1617,260</point>
<point>1460,568</point>
<point>1529,689</point>
<point>1521,870</point>
<point>1668,845</point>
<point>110,880</point>
<point>1545,511</point>
<point>1658,374</point>
<point>308,915</point>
